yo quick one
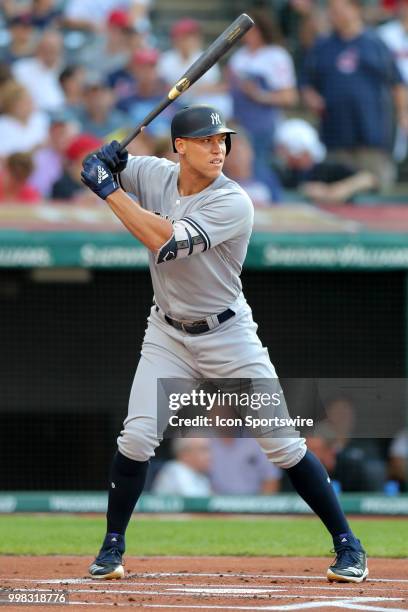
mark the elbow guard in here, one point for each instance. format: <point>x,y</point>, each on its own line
<point>187,239</point>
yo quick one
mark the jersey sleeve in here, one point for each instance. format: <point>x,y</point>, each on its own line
<point>229,215</point>
<point>141,174</point>
<point>223,218</point>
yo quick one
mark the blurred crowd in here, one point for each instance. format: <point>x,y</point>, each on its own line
<point>317,91</point>
<point>203,466</point>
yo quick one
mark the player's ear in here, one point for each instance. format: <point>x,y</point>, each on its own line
<point>179,143</point>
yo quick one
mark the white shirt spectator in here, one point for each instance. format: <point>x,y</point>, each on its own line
<point>41,82</point>
<point>172,65</point>
<point>177,478</point>
<point>272,64</point>
<point>97,11</point>
<point>395,37</point>
<point>17,137</point>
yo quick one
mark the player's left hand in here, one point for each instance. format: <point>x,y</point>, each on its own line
<point>114,156</point>
<point>98,177</point>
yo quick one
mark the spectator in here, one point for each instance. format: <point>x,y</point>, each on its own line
<point>21,45</point>
<point>119,33</point>
<point>125,82</point>
<point>115,43</point>
<point>149,90</point>
<point>239,467</point>
<point>305,166</point>
<point>40,73</point>
<point>187,46</point>
<point>49,159</point>
<point>69,186</point>
<point>262,84</point>
<point>398,459</point>
<point>81,14</point>
<point>72,81</point>
<point>350,81</point>
<point>239,166</point>
<point>21,127</point>
<point>187,474</point>
<point>45,14</point>
<point>301,22</point>
<point>14,186</point>
<point>359,464</point>
<point>99,117</point>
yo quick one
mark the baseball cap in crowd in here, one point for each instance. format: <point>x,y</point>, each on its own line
<point>185,26</point>
<point>82,145</point>
<point>120,19</point>
<point>298,136</point>
<point>145,57</point>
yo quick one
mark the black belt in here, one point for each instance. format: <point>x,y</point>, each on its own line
<point>201,326</point>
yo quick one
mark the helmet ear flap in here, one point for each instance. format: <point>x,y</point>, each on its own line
<point>227,143</point>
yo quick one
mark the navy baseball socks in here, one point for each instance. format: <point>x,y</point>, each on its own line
<point>312,483</point>
<point>127,479</point>
<point>309,479</point>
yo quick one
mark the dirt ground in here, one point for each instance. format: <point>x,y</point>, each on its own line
<point>206,583</point>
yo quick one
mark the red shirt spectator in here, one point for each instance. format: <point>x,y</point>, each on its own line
<point>13,180</point>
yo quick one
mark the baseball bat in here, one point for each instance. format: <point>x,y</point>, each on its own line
<point>207,59</point>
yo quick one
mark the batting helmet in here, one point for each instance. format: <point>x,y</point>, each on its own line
<point>198,121</point>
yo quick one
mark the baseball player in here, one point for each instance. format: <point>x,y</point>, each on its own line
<point>196,224</point>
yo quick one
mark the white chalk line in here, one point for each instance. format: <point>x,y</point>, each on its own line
<point>127,583</point>
<point>325,601</point>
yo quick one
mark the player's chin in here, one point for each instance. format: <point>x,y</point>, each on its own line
<point>214,170</point>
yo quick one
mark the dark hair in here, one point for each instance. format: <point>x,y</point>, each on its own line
<point>68,72</point>
<point>20,165</point>
<point>267,26</point>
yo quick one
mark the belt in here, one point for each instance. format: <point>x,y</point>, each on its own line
<point>201,326</point>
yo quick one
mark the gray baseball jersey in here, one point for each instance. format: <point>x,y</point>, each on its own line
<point>196,273</point>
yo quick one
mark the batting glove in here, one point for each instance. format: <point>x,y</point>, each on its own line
<point>113,156</point>
<point>98,177</point>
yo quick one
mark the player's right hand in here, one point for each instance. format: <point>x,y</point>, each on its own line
<point>113,156</point>
<point>98,177</point>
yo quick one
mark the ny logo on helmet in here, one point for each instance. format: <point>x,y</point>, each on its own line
<point>215,119</point>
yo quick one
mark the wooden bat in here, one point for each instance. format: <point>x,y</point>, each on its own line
<point>207,59</point>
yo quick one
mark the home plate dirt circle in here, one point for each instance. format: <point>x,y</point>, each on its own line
<point>208,583</point>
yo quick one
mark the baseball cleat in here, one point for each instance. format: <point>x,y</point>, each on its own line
<point>350,564</point>
<point>108,564</point>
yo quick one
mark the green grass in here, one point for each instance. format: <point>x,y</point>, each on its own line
<point>80,535</point>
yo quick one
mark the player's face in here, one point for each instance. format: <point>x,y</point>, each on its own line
<point>205,155</point>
